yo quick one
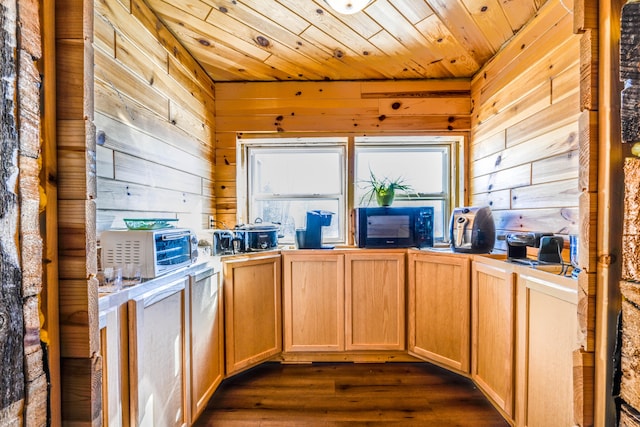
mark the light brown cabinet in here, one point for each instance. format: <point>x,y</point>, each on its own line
<point>344,301</point>
<point>439,304</point>
<point>157,357</point>
<point>252,310</point>
<point>375,301</point>
<point>493,332</point>
<point>547,337</point>
<point>313,300</point>
<point>206,337</point>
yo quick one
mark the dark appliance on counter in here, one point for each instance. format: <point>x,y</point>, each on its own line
<point>549,246</point>
<point>394,227</point>
<point>472,230</point>
<point>156,251</point>
<point>311,237</point>
<point>223,242</point>
<point>259,236</point>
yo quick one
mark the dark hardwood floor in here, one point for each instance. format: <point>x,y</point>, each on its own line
<point>347,394</point>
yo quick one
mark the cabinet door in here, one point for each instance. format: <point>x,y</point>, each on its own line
<point>207,338</point>
<point>439,319</point>
<point>375,301</point>
<point>253,322</point>
<point>157,357</point>
<point>113,349</point>
<point>313,302</point>
<point>493,333</point>
<point>547,338</point>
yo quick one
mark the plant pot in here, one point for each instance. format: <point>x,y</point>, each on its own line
<point>385,198</point>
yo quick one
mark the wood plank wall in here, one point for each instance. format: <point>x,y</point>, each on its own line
<point>77,287</point>
<point>154,118</point>
<point>533,156</point>
<point>126,92</point>
<point>346,108</point>
<point>524,152</point>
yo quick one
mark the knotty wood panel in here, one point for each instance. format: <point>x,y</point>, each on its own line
<point>288,40</point>
<point>119,195</point>
<point>128,168</point>
<point>553,143</point>
<point>176,85</point>
<point>558,114</point>
<point>523,50</point>
<point>170,149</point>
<point>154,115</point>
<point>438,106</point>
<point>524,160</point>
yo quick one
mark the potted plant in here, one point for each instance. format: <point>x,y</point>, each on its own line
<point>383,189</point>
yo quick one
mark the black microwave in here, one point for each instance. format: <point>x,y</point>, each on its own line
<point>394,227</point>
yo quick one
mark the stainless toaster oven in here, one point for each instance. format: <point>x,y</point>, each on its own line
<point>156,251</point>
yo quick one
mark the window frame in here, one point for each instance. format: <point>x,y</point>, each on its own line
<point>449,197</point>
<point>455,181</point>
<point>341,196</point>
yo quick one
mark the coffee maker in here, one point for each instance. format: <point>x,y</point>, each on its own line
<point>311,237</point>
<point>549,247</point>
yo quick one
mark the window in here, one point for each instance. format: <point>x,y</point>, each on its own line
<point>425,167</point>
<point>286,181</point>
<point>286,177</point>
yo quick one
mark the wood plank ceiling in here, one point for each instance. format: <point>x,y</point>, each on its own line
<point>286,40</point>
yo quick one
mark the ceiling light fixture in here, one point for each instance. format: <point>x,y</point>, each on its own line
<point>348,7</point>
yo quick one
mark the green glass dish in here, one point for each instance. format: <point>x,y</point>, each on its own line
<point>149,223</point>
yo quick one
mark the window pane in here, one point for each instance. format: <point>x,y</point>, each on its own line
<point>292,214</point>
<point>420,167</point>
<point>423,167</point>
<point>296,171</point>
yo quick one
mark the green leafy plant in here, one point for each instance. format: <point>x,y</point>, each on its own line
<point>383,189</point>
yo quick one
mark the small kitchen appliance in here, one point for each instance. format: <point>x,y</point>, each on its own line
<point>156,251</point>
<point>472,230</point>
<point>549,246</point>
<point>259,236</point>
<point>311,237</point>
<point>394,227</point>
<point>223,242</point>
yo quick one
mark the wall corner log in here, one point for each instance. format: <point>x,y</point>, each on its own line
<point>12,387</point>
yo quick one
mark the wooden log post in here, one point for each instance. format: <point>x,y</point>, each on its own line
<point>80,364</point>
<point>12,388</point>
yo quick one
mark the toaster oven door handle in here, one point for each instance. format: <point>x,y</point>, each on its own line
<point>175,236</point>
